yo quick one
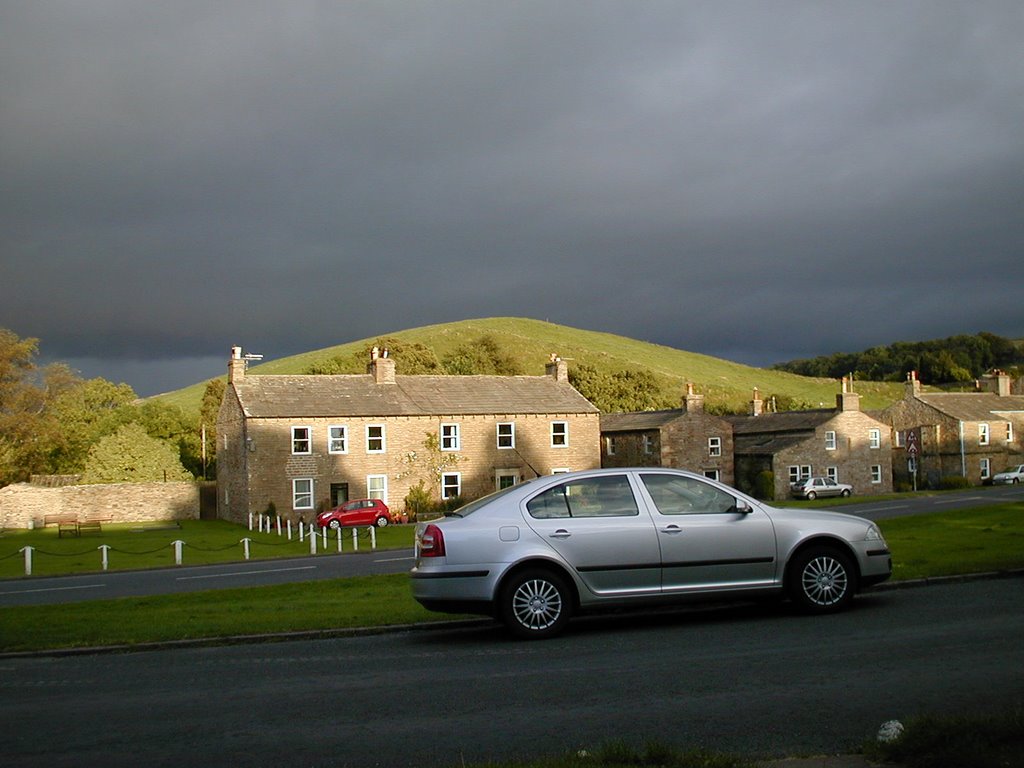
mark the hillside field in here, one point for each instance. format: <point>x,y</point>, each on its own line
<point>725,385</point>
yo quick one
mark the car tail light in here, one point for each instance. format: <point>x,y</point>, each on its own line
<point>432,542</point>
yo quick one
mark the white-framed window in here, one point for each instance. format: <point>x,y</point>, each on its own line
<point>899,439</point>
<point>609,446</point>
<point>712,474</point>
<point>560,470</point>
<point>830,440</point>
<point>876,474</point>
<point>559,434</point>
<point>449,437</point>
<point>986,469</point>
<point>832,473</point>
<point>648,444</point>
<point>506,434</point>
<point>302,441</point>
<point>875,438</point>
<point>302,493</point>
<point>504,478</point>
<point>376,441</point>
<point>983,434</point>
<point>377,487</point>
<point>1009,431</point>
<point>337,439</point>
<point>714,447</point>
<point>798,473</point>
<point>451,485</point>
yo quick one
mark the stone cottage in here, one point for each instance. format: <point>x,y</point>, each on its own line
<point>974,435</point>
<point>842,443</point>
<point>686,438</point>
<point>305,443</point>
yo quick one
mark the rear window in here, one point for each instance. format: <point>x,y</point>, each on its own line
<point>604,496</point>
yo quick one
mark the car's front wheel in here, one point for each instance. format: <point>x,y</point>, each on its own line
<point>335,525</point>
<point>822,580</point>
<point>846,493</point>
<point>535,604</point>
<point>382,522</point>
<point>811,495</point>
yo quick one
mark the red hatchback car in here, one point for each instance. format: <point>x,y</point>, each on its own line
<point>355,513</point>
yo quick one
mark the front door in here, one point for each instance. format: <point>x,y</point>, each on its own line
<point>706,542</point>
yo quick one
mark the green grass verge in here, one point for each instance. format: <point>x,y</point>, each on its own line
<point>143,546</point>
<point>954,542</point>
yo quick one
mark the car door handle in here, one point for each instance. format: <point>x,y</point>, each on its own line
<point>561,533</point>
<point>672,529</point>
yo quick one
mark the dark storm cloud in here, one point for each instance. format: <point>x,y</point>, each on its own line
<point>757,181</point>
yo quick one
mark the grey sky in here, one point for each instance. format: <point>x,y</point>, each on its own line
<point>753,180</point>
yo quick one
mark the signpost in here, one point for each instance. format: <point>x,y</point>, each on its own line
<point>913,448</point>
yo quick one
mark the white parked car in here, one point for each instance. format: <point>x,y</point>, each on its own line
<point>813,487</point>
<point>1011,475</point>
<point>536,553</point>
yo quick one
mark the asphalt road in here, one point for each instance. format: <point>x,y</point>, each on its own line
<point>756,680</point>
<point>66,589</point>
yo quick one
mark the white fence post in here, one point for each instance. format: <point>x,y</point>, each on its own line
<point>245,547</point>
<point>104,548</point>
<point>278,525</point>
<point>339,538</point>
<point>177,550</point>
<point>28,560</point>
<point>355,539</point>
<point>325,538</point>
<point>373,537</point>
<point>250,521</point>
<point>302,532</point>
<point>289,521</point>
<point>312,543</point>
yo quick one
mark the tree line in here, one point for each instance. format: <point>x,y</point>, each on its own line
<point>53,422</point>
<point>955,360</point>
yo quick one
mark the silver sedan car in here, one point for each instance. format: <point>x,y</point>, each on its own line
<point>534,554</point>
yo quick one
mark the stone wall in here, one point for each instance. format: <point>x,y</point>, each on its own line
<point>23,505</point>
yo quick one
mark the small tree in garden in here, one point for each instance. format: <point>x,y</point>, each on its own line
<point>429,465</point>
<point>132,456</point>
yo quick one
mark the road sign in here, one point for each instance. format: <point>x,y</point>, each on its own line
<point>913,442</point>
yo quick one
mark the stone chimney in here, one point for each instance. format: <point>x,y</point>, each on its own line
<point>236,366</point>
<point>997,381</point>
<point>692,402</point>
<point>847,399</point>
<point>557,369</point>
<point>913,386</point>
<point>756,404</point>
<point>381,367</point>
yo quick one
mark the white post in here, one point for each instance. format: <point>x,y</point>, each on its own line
<point>325,538</point>
<point>278,525</point>
<point>28,560</point>
<point>289,521</point>
<point>373,537</point>
<point>312,543</point>
<point>245,547</point>
<point>355,539</point>
<point>250,521</point>
<point>339,538</point>
<point>104,548</point>
<point>177,550</point>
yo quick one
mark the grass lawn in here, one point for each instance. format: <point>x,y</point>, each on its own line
<point>953,542</point>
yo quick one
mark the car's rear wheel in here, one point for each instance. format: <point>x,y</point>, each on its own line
<point>382,522</point>
<point>811,495</point>
<point>822,580</point>
<point>335,525</point>
<point>535,604</point>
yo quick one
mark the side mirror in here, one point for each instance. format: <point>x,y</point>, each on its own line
<point>742,508</point>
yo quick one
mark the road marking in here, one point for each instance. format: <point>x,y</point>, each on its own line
<point>245,573</point>
<point>393,559</point>
<point>861,510</point>
<point>52,589</point>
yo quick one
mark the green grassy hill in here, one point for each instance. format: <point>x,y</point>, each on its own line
<point>725,384</point>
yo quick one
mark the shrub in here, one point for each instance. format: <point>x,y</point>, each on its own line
<point>419,502</point>
<point>764,486</point>
<point>954,483</point>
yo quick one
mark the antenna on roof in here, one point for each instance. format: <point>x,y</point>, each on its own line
<point>252,357</point>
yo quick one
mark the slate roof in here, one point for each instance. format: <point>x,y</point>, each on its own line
<point>319,396</point>
<point>974,406</point>
<point>639,421</point>
<point>770,433</point>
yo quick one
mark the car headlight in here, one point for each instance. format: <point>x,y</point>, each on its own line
<point>873,534</point>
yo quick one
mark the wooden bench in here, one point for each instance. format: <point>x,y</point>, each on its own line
<point>65,523</point>
<point>92,523</point>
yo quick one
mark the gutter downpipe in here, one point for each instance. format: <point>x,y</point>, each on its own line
<point>963,452</point>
